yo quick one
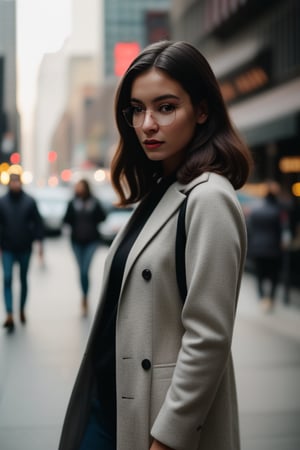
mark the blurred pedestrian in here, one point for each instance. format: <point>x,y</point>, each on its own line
<point>265,232</point>
<point>158,374</point>
<point>84,213</point>
<point>20,226</point>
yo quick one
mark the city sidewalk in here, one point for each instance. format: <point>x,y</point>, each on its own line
<point>38,364</point>
<point>266,349</point>
<point>283,319</point>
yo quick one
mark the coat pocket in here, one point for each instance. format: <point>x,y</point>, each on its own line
<point>161,379</point>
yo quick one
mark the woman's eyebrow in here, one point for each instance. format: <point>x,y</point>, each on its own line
<point>158,99</point>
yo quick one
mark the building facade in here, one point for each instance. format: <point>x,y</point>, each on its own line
<point>64,77</point>
<point>9,121</point>
<point>132,21</point>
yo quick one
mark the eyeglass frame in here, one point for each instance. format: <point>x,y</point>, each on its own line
<point>153,113</point>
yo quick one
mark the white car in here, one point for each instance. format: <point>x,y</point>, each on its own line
<point>115,220</point>
<point>52,204</point>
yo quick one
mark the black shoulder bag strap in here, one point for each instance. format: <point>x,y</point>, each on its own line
<point>180,248</point>
<point>180,251</point>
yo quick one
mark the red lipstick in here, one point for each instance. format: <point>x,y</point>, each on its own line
<point>152,143</point>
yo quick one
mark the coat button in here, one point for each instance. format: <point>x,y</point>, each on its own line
<point>146,274</point>
<point>146,364</point>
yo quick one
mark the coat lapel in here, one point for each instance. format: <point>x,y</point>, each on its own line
<point>170,202</point>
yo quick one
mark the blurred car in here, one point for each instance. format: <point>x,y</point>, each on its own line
<point>116,218</point>
<point>3,189</point>
<point>106,195</point>
<point>52,204</point>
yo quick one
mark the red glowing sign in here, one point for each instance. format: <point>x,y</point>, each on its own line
<point>124,53</point>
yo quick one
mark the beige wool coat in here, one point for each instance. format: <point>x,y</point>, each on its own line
<point>175,379</point>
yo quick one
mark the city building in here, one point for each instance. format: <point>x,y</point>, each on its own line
<point>134,23</point>
<point>64,79</point>
<point>9,120</point>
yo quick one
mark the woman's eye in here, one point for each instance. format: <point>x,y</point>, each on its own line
<point>167,108</point>
<point>137,109</point>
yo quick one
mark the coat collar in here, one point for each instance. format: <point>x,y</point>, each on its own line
<point>185,188</point>
<point>170,202</point>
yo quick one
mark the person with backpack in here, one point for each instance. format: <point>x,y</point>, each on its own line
<point>157,373</point>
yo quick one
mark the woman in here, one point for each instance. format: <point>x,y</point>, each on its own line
<point>158,374</point>
<point>83,214</point>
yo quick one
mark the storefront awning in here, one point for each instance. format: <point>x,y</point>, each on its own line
<point>269,116</point>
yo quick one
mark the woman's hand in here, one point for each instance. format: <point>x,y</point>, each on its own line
<point>156,445</point>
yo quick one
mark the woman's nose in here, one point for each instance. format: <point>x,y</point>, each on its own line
<point>149,121</point>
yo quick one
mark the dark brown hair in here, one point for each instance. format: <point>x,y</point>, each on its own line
<point>215,147</point>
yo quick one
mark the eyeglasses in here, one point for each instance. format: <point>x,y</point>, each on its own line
<point>163,116</point>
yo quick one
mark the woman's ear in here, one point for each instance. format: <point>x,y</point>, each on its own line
<point>202,112</point>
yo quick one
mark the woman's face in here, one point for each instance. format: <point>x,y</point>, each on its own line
<point>156,100</point>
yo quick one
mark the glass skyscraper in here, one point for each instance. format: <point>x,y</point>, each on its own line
<point>133,21</point>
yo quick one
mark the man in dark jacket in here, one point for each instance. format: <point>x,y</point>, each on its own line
<point>20,225</point>
<point>265,245</point>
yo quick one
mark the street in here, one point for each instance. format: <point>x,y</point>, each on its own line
<point>39,361</point>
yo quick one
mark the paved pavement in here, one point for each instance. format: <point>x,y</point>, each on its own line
<point>38,363</point>
<point>266,349</point>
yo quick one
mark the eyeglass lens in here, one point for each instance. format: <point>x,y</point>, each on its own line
<point>136,117</point>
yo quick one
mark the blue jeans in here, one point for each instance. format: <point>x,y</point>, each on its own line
<point>8,261</point>
<point>99,435</point>
<point>84,254</point>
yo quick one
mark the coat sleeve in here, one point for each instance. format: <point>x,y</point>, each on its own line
<point>215,252</point>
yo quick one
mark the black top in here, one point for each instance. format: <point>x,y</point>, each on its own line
<point>104,344</point>
<point>20,222</point>
<point>84,215</point>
